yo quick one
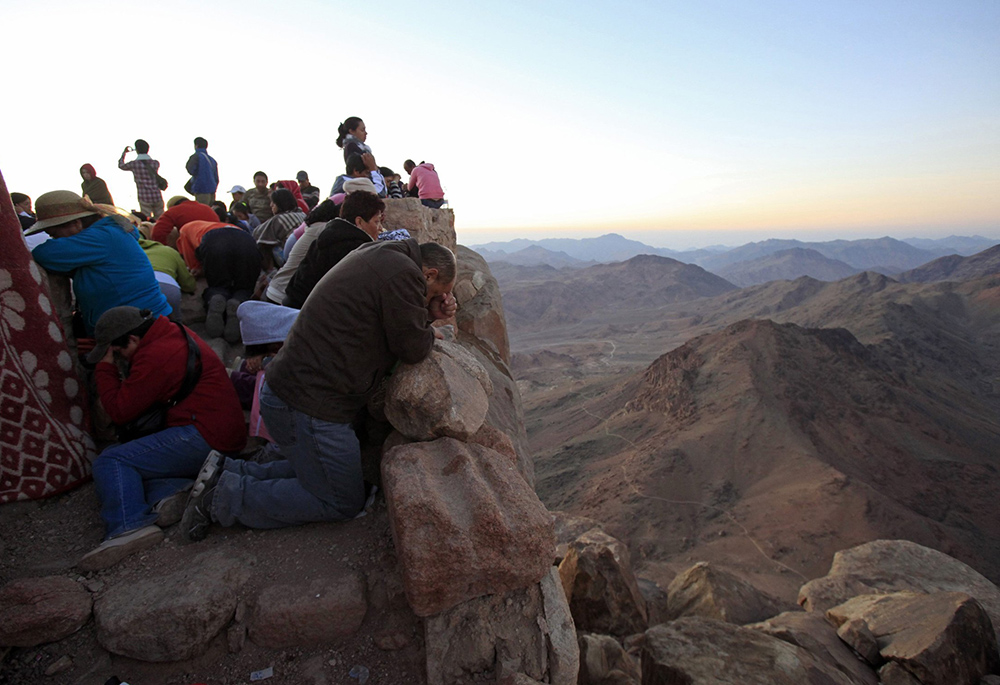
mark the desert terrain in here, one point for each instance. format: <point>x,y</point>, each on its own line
<point>764,428</point>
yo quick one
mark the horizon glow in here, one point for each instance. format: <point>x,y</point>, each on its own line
<point>677,124</point>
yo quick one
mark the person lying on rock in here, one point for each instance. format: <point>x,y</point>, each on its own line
<point>371,310</point>
<point>143,480</point>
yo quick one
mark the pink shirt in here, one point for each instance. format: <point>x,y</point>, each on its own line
<point>427,182</point>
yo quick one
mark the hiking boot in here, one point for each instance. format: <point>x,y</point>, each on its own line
<point>371,489</point>
<point>215,325</point>
<point>197,515</point>
<point>232,330</point>
<point>113,550</point>
<point>169,510</point>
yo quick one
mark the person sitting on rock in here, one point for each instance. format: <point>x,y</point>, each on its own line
<point>142,481</point>
<point>424,179</point>
<point>360,222</point>
<point>271,234</point>
<point>373,309</point>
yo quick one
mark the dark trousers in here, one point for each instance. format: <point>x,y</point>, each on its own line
<point>231,262</point>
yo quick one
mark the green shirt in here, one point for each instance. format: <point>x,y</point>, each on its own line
<point>168,261</point>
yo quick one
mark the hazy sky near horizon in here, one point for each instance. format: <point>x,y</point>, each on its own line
<point>679,124</point>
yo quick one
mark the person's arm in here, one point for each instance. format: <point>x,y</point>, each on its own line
<point>127,399</point>
<point>405,317</point>
<point>63,255</point>
<point>162,227</point>
<point>185,280</point>
<point>192,164</point>
<point>413,181</point>
<point>121,161</point>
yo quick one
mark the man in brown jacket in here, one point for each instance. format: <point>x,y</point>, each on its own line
<point>373,308</point>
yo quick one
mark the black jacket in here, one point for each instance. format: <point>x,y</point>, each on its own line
<point>336,241</point>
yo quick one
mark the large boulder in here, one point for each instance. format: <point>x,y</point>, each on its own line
<point>603,661</point>
<point>526,632</point>
<point>34,611</point>
<point>464,522</point>
<point>813,633</point>
<point>425,224</point>
<point>172,617</point>
<point>709,591</point>
<point>568,528</point>
<point>480,305</point>
<point>319,612</point>
<point>600,586</point>
<point>886,566</point>
<point>445,395</point>
<point>943,638</point>
<point>506,412</point>
<point>704,651</point>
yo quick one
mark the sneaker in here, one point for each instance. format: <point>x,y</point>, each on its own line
<point>232,329</point>
<point>113,550</point>
<point>197,517</point>
<point>169,510</point>
<point>372,490</point>
<point>215,325</point>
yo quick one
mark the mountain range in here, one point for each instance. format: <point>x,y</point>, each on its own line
<point>764,428</point>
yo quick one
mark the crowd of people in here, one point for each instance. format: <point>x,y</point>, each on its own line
<point>324,298</point>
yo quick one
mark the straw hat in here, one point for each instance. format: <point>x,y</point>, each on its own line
<point>58,207</point>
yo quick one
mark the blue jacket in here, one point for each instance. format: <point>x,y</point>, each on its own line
<point>108,268</point>
<point>204,170</point>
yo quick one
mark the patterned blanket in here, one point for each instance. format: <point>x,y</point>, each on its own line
<point>44,446</point>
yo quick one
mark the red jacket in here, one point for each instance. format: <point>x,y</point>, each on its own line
<point>158,368</point>
<point>178,215</point>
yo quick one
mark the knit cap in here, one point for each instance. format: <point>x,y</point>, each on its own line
<point>262,323</point>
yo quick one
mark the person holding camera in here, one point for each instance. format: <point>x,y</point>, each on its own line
<point>173,407</point>
<point>148,182</point>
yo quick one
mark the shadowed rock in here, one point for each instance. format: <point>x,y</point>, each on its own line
<point>464,522</point>
<point>943,638</point>
<point>480,305</point>
<point>602,591</point>
<point>885,566</point>
<point>709,591</point>
<point>322,611</point>
<point>813,633</point>
<point>34,611</point>
<point>702,651</point>
<point>445,395</point>
<point>171,617</point>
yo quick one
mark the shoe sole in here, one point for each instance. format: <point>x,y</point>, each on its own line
<point>212,465</point>
<point>215,325</point>
<point>106,557</point>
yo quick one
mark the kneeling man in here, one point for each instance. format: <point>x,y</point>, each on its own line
<point>373,308</point>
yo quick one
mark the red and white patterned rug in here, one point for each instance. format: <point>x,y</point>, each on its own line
<point>44,446</point>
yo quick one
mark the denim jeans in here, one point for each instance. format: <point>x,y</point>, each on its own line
<point>320,479</point>
<point>133,476</point>
<point>433,204</point>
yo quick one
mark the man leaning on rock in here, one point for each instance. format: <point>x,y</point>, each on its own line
<point>374,308</point>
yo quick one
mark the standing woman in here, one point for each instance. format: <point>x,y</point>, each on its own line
<point>94,188</point>
<point>352,136</point>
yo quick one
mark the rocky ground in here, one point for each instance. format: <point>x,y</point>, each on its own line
<point>47,538</point>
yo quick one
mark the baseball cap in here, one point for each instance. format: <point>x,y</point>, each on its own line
<point>113,324</point>
<point>301,176</point>
<point>237,189</point>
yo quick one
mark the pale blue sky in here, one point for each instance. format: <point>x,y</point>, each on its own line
<point>676,123</point>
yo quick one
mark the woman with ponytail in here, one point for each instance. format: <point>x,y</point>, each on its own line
<point>352,136</point>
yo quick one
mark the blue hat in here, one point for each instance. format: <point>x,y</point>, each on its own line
<point>262,323</point>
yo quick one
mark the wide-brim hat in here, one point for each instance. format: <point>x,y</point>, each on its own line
<point>58,207</point>
<point>112,325</point>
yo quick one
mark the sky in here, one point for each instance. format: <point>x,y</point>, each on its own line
<point>681,124</point>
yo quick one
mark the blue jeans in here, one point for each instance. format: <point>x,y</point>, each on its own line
<point>133,476</point>
<point>433,204</point>
<point>319,480</point>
